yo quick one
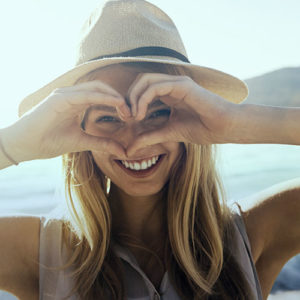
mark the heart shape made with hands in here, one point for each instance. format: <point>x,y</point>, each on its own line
<point>171,108</point>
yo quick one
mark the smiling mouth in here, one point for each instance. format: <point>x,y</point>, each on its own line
<point>142,167</point>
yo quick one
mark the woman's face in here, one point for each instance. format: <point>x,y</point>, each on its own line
<point>146,172</point>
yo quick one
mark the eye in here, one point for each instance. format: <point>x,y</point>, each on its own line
<point>107,119</point>
<point>160,113</point>
<point>103,124</point>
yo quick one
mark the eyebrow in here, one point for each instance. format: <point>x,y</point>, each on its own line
<point>101,107</point>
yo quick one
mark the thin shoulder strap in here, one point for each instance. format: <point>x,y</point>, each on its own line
<point>55,282</point>
<point>242,229</point>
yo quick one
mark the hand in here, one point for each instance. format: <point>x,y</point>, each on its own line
<point>53,127</point>
<point>197,115</point>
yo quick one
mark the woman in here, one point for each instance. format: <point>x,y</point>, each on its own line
<point>135,123</point>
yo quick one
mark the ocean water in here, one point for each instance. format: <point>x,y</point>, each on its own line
<point>36,187</point>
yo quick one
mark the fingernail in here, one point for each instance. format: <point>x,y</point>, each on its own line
<point>121,113</point>
<point>126,112</point>
<point>136,112</point>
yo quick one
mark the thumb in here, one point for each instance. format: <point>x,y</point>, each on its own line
<point>150,138</point>
<point>102,145</point>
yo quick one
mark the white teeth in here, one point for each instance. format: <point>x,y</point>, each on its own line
<point>145,164</point>
<point>137,166</point>
<point>125,163</point>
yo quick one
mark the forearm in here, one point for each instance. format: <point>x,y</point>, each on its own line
<point>266,124</point>
<point>4,160</point>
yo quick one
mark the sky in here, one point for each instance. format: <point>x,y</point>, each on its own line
<point>243,38</point>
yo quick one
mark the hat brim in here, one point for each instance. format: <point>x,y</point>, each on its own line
<point>220,83</point>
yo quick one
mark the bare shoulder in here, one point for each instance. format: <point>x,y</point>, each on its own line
<point>273,228</point>
<point>19,271</point>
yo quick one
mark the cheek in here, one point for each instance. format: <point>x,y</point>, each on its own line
<point>176,154</point>
<point>175,149</point>
<point>102,161</point>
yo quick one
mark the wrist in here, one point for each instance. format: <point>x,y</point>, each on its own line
<point>8,147</point>
<point>235,114</point>
<point>242,126</point>
<point>5,158</point>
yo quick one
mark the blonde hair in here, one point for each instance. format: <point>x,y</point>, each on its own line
<point>199,226</point>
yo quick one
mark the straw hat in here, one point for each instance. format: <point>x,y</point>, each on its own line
<point>135,31</point>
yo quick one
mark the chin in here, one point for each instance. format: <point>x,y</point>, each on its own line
<point>140,191</point>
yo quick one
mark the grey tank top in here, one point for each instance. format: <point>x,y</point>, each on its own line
<point>56,284</point>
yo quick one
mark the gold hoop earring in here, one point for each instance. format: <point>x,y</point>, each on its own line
<point>108,183</point>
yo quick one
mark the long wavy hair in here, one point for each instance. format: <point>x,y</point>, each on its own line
<point>199,226</point>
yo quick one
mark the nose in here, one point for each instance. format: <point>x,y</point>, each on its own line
<point>131,131</point>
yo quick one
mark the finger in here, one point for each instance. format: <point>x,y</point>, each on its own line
<point>172,89</point>
<point>102,145</point>
<point>141,82</point>
<point>132,94</point>
<point>95,85</point>
<point>151,138</point>
<point>78,101</point>
<point>176,88</point>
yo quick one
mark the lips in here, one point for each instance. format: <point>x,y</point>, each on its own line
<point>142,172</point>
